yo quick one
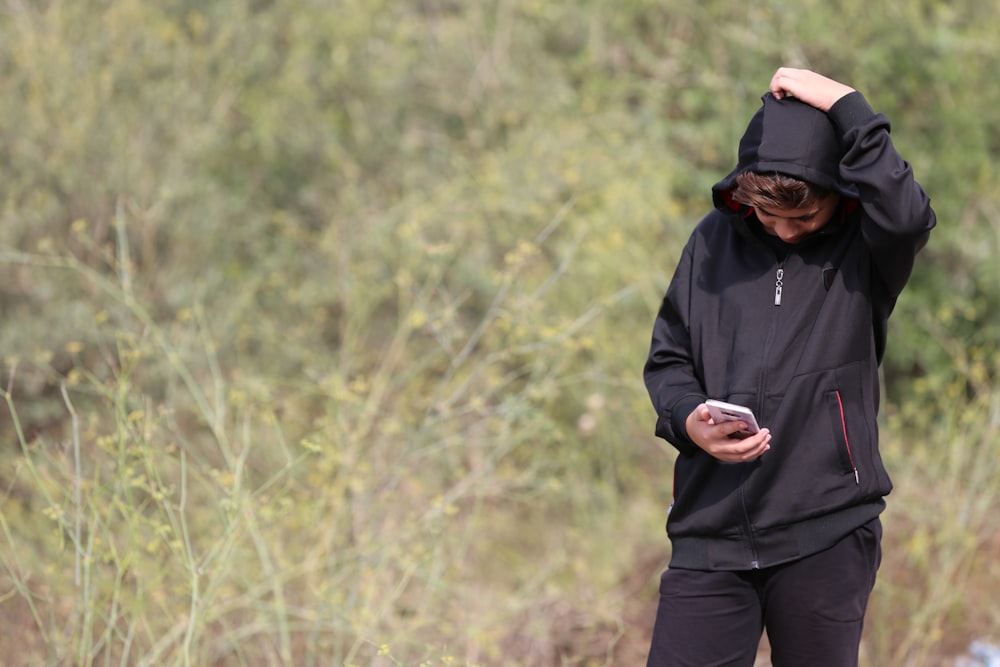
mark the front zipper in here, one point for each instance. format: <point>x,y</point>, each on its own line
<point>779,284</point>
<point>754,556</point>
<point>779,278</point>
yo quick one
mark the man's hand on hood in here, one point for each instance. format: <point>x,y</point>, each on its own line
<point>812,88</point>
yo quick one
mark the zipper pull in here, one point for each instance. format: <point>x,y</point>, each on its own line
<point>778,284</point>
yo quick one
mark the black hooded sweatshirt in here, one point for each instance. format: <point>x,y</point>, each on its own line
<point>796,332</point>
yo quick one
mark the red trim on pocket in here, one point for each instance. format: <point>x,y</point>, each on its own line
<point>847,441</point>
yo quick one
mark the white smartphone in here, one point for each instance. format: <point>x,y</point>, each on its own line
<point>727,412</point>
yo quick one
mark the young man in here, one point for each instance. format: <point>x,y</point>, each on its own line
<point>780,303</point>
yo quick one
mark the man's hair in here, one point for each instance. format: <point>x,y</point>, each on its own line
<point>776,191</point>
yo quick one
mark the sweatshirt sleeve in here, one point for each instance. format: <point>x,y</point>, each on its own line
<point>898,216</point>
<point>669,373</point>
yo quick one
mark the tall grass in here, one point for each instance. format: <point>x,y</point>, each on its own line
<point>430,511</point>
<point>942,527</point>
<point>196,516</point>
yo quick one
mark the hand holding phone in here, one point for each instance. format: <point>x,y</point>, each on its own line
<point>726,412</point>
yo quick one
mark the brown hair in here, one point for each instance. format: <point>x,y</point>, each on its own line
<point>776,191</point>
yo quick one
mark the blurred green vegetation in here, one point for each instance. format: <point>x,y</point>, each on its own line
<point>324,321</point>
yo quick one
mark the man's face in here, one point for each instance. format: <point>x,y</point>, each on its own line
<point>791,225</point>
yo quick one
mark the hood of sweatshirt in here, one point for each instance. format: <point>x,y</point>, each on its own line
<point>792,138</point>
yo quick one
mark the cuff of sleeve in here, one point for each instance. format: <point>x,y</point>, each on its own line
<point>850,111</point>
<point>679,414</point>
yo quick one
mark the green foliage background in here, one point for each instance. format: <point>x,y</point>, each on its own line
<point>324,321</point>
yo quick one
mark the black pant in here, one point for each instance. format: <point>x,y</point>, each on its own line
<point>813,610</point>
